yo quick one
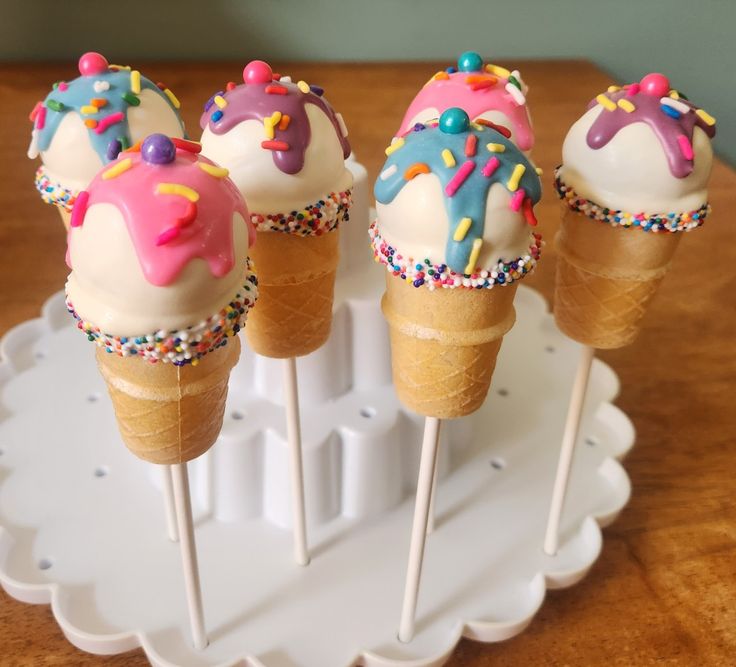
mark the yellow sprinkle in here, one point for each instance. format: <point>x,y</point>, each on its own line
<point>513,182</point>
<point>275,118</point>
<point>613,89</point>
<point>605,102</point>
<point>462,229</point>
<point>626,105</point>
<point>448,158</point>
<point>539,170</point>
<point>477,126</point>
<point>474,256</point>
<point>172,98</point>
<point>220,101</point>
<point>496,148</point>
<point>88,109</point>
<point>135,81</point>
<point>394,146</point>
<point>498,71</point>
<point>674,95</point>
<point>212,170</point>
<point>709,120</point>
<point>303,86</point>
<point>177,189</point>
<point>117,169</point>
<point>125,67</point>
<point>268,128</point>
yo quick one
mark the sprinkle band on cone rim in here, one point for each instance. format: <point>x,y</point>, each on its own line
<point>654,222</point>
<point>424,273</point>
<point>314,220</point>
<point>186,346</point>
<point>54,193</point>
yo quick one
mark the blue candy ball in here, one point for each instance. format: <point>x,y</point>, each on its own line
<point>470,61</point>
<point>158,149</point>
<point>454,121</point>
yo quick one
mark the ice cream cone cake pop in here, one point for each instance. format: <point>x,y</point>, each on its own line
<point>83,124</point>
<point>161,283</point>
<point>633,180</point>
<point>455,230</point>
<point>488,93</point>
<point>285,148</point>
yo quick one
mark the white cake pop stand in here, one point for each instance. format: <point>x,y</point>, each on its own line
<point>82,526</point>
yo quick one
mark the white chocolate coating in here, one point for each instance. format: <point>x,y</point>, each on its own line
<point>631,173</point>
<point>266,188</point>
<point>417,225</point>
<point>101,251</point>
<point>70,159</point>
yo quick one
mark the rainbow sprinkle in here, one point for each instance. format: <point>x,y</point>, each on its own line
<point>314,220</point>
<point>185,346</point>
<point>54,193</point>
<point>433,276</point>
<point>655,222</point>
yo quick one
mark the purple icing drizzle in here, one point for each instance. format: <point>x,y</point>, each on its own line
<point>250,101</point>
<point>666,127</point>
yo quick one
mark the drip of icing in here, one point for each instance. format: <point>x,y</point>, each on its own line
<point>460,89</point>
<point>673,129</point>
<point>465,184</point>
<point>99,95</point>
<point>263,97</point>
<point>151,211</point>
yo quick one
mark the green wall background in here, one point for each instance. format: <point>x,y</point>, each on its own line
<point>691,41</point>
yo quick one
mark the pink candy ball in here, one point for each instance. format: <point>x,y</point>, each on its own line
<point>257,71</point>
<point>655,84</point>
<point>92,63</point>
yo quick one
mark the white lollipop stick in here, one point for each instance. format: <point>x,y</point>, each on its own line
<point>189,554</point>
<point>296,469</point>
<point>168,489</point>
<point>427,467</point>
<point>430,519</point>
<point>569,438</point>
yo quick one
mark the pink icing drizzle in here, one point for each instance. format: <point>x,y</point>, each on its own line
<point>148,215</point>
<point>441,94</point>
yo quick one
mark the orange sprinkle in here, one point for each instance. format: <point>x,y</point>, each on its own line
<point>416,169</point>
<point>135,148</point>
<point>471,144</point>
<point>482,85</point>
<point>480,78</point>
<point>98,102</point>
<point>90,123</point>
<point>284,122</point>
<point>440,75</point>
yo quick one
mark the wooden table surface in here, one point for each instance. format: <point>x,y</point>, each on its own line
<point>664,589</point>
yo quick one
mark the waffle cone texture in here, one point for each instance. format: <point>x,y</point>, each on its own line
<point>169,414</point>
<point>444,344</point>
<point>606,277</point>
<point>296,284</point>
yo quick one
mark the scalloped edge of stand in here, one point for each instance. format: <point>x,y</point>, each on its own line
<point>13,361</point>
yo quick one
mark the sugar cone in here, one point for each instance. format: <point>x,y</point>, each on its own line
<point>168,414</point>
<point>66,217</point>
<point>444,344</point>
<point>606,277</point>
<point>296,283</point>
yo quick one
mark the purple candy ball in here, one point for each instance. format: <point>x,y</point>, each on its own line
<point>158,149</point>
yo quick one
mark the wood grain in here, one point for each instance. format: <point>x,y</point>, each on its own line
<point>664,588</point>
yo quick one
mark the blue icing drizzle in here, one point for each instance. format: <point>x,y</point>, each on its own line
<point>469,201</point>
<point>80,92</point>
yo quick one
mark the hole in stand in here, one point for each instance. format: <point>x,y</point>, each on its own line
<point>93,398</point>
<point>590,441</point>
<point>368,412</point>
<point>101,471</point>
<point>550,348</point>
<point>503,392</point>
<point>2,451</point>
<point>237,415</point>
<point>45,564</point>
<point>498,464</point>
<point>40,355</point>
